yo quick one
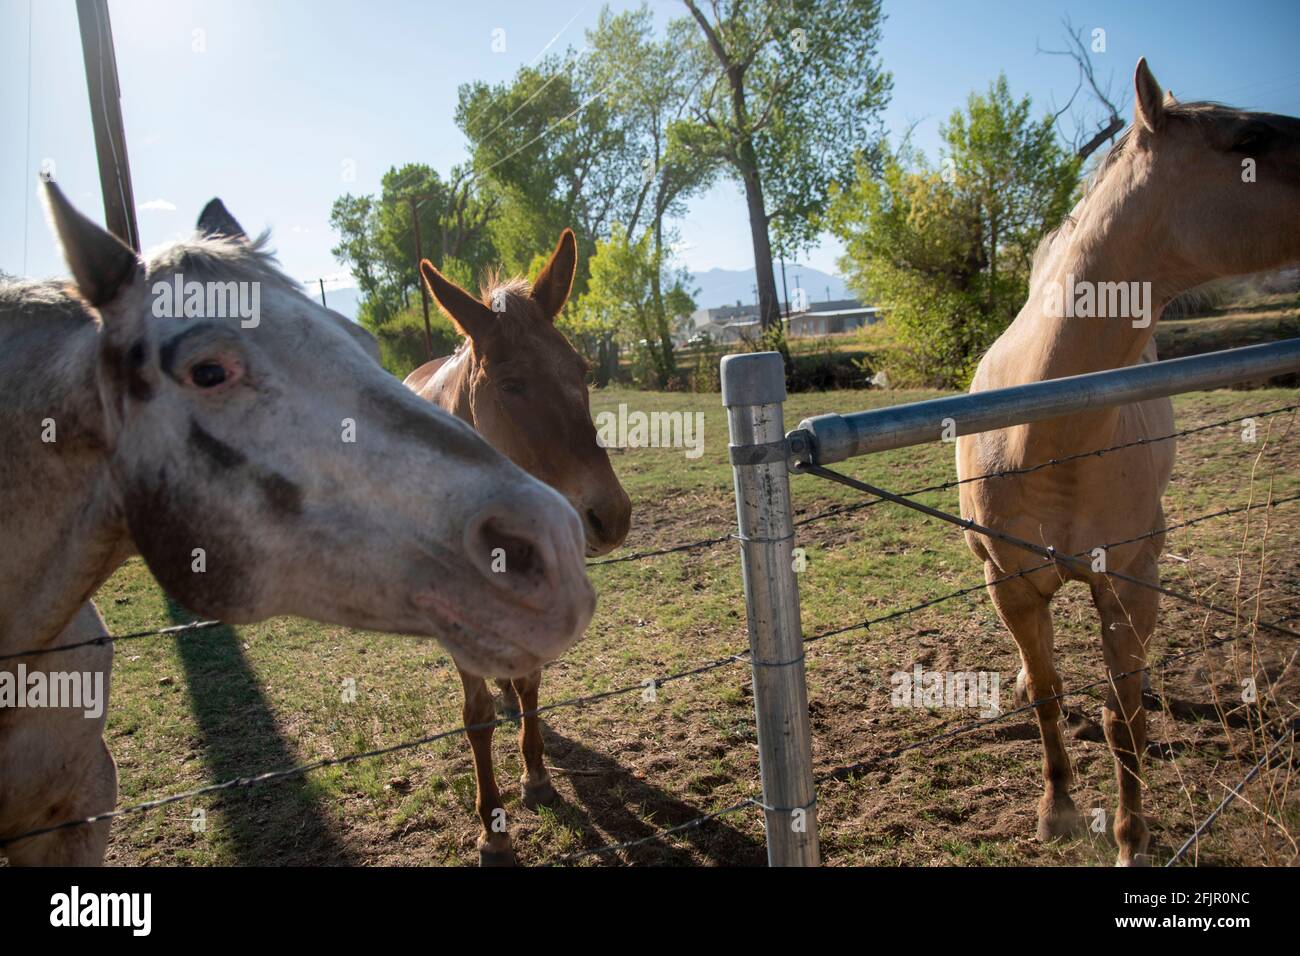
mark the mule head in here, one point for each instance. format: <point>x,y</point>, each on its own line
<point>264,463</point>
<point>528,389</point>
<point>1223,184</point>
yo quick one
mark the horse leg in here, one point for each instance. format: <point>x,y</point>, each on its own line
<point>536,779</point>
<point>494,839</point>
<point>509,699</point>
<point>1128,618</point>
<point>1025,612</point>
<point>92,793</point>
<point>55,765</point>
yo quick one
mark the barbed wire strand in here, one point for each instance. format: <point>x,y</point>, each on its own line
<point>1048,551</point>
<point>1157,667</point>
<point>1025,572</point>
<point>947,485</point>
<point>300,769</point>
<point>1288,733</point>
<point>176,630</point>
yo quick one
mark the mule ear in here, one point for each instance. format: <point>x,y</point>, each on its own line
<point>553,284</point>
<point>216,220</point>
<point>1148,105</point>
<point>470,316</point>
<point>102,265</point>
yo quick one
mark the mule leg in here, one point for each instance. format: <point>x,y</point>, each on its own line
<point>494,839</point>
<point>1026,613</point>
<point>1128,617</point>
<point>536,779</point>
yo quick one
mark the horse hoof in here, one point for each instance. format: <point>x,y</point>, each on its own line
<point>488,857</point>
<point>539,795</point>
<point>1059,823</point>
<point>1021,693</point>
<point>1080,727</point>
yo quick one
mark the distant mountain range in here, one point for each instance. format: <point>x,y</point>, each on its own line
<point>717,287</point>
<point>343,301</point>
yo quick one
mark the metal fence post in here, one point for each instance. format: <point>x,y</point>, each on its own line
<point>753,390</point>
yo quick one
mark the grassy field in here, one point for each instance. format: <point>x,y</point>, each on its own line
<point>236,701</point>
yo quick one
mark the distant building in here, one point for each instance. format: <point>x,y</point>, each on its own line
<point>733,323</point>
<point>831,318</point>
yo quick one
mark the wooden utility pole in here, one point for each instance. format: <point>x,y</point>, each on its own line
<point>106,115</point>
<point>419,279</point>
<point>785,291</point>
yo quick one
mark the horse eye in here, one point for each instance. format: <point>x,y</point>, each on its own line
<point>208,374</point>
<point>513,386</point>
<point>1251,141</point>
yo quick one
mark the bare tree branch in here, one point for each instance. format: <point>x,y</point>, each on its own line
<point>1077,50</point>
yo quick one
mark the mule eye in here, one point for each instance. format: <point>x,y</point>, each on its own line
<point>208,374</point>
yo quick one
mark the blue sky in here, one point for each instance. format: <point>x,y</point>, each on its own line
<point>283,94</point>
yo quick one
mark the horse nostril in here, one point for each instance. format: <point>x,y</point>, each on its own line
<point>595,522</point>
<point>518,555</point>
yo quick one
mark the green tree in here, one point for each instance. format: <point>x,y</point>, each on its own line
<point>620,303</point>
<point>555,151</point>
<point>651,86</point>
<point>788,92</point>
<point>947,252</point>
<point>377,235</point>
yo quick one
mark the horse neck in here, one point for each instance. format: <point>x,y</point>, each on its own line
<point>1119,236</point>
<point>65,535</point>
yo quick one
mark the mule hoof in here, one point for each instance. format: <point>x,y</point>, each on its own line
<point>488,857</point>
<point>540,795</point>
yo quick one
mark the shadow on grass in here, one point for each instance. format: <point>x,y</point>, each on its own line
<point>272,824</point>
<point>614,802</point>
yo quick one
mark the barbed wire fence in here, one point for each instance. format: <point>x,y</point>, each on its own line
<point>1052,558</point>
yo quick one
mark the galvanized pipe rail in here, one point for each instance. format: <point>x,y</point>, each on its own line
<point>824,439</point>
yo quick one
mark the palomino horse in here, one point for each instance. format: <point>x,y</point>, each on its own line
<point>262,463</point>
<point>1191,192</point>
<point>522,385</point>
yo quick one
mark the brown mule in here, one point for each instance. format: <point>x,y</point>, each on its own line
<point>520,383</point>
<point>1191,192</point>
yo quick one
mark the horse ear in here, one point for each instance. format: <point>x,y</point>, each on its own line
<point>555,281</point>
<point>470,316</point>
<point>111,278</point>
<point>216,220</point>
<point>1148,106</point>
<point>103,266</point>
